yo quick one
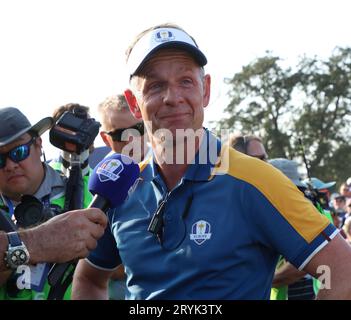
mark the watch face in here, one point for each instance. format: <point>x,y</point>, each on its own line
<point>18,257</point>
<point>17,253</point>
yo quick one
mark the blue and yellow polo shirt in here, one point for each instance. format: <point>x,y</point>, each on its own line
<point>224,226</point>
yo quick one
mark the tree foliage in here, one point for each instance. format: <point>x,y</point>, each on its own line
<point>311,101</point>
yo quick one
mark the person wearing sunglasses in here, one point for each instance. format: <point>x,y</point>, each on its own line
<point>250,145</point>
<point>120,131</point>
<point>22,172</point>
<point>205,221</point>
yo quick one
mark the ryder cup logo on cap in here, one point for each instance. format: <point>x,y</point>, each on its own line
<point>110,170</point>
<point>162,38</point>
<point>200,232</point>
<point>164,35</point>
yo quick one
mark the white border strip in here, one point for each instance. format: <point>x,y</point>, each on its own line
<point>100,268</point>
<point>320,247</point>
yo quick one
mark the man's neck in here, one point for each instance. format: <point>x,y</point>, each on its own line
<point>173,157</point>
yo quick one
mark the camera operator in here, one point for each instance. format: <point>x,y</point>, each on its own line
<point>31,191</point>
<point>69,158</point>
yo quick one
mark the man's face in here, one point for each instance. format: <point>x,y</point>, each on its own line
<point>132,146</point>
<point>339,203</point>
<point>257,150</point>
<point>24,177</point>
<point>172,92</point>
<point>345,191</point>
<point>348,205</point>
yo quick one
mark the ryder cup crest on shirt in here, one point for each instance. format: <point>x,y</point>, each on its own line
<point>200,232</point>
<point>110,170</point>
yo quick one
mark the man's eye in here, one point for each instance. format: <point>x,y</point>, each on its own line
<point>186,81</point>
<point>155,86</point>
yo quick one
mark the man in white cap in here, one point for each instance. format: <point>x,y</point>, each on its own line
<point>205,221</point>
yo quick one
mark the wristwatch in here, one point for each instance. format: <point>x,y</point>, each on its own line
<point>17,253</point>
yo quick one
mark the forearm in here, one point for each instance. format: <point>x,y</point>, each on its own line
<point>33,243</point>
<point>287,274</point>
<point>4,275</point>
<point>3,248</point>
<point>89,283</point>
<point>336,291</point>
<point>331,266</point>
<point>84,289</point>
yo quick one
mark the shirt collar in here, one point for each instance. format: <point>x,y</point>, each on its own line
<point>52,181</point>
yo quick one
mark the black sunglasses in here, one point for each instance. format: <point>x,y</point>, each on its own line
<point>17,154</point>
<point>116,135</point>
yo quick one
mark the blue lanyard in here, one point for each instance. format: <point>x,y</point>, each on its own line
<point>9,204</point>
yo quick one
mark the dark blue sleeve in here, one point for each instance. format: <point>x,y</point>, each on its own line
<point>105,255</point>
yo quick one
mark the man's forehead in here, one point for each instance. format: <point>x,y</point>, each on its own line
<point>122,119</point>
<point>167,55</point>
<point>22,139</point>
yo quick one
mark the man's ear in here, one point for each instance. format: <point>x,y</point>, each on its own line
<point>39,142</point>
<point>133,104</point>
<point>207,90</point>
<point>104,137</point>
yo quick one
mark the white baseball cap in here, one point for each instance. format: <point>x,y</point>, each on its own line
<point>159,39</point>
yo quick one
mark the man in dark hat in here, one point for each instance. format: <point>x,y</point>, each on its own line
<point>26,182</point>
<point>23,173</point>
<point>21,169</point>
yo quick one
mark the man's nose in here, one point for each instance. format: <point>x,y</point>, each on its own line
<point>10,164</point>
<point>172,96</point>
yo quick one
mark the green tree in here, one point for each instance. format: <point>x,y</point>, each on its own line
<point>311,101</point>
<point>260,100</point>
<point>325,113</point>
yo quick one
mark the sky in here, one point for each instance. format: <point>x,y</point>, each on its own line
<point>54,52</point>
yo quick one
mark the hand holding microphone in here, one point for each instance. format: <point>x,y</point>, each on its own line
<point>111,182</point>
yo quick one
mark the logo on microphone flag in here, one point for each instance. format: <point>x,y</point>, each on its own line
<point>110,170</point>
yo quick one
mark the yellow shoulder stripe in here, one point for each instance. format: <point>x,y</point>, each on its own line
<point>277,188</point>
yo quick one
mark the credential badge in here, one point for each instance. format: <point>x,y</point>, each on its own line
<point>200,232</point>
<point>110,170</point>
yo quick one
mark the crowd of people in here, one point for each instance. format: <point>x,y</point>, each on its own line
<point>208,219</point>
